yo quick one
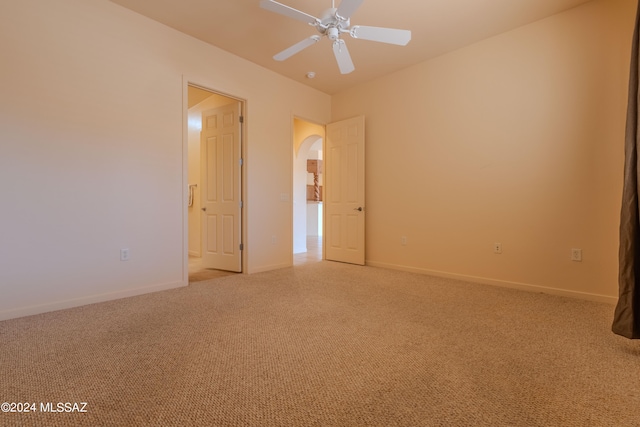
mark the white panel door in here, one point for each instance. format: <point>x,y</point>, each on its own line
<point>220,188</point>
<point>344,186</point>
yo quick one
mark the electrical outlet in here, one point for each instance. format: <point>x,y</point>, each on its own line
<point>576,255</point>
<point>497,248</point>
<point>403,240</point>
<point>125,254</point>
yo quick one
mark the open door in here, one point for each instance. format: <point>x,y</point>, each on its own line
<point>221,188</point>
<point>344,186</point>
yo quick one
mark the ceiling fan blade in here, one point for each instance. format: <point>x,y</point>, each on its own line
<point>383,35</point>
<point>274,6</point>
<point>342,57</point>
<point>347,7</point>
<point>289,52</point>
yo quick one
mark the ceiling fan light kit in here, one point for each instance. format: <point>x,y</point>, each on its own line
<point>334,22</point>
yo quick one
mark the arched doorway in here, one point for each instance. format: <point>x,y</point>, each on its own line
<point>307,191</point>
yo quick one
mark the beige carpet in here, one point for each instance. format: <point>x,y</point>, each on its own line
<point>205,274</point>
<point>325,344</point>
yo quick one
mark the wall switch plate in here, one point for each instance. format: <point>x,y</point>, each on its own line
<point>403,240</point>
<point>576,255</point>
<point>497,248</point>
<point>125,254</point>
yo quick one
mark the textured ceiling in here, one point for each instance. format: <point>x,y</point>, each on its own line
<point>438,26</point>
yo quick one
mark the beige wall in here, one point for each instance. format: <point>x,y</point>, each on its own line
<point>517,139</point>
<point>92,158</point>
<point>303,129</point>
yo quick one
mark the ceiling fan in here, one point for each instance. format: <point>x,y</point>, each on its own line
<point>336,21</point>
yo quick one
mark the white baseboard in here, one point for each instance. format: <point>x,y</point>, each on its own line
<point>500,283</point>
<point>92,299</point>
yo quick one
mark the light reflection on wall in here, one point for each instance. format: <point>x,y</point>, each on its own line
<point>195,123</point>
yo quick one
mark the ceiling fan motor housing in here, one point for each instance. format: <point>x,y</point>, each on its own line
<point>331,24</point>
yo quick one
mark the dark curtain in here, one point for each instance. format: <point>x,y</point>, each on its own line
<point>626,320</point>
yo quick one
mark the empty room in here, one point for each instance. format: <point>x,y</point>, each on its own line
<point>473,184</point>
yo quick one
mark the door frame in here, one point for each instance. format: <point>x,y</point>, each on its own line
<point>293,180</point>
<point>201,84</point>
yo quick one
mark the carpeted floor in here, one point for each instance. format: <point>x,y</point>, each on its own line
<point>204,274</point>
<point>197,272</point>
<point>325,344</point>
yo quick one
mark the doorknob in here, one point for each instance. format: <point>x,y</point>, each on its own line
<point>359,209</point>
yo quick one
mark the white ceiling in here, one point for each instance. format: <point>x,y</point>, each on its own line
<point>438,26</point>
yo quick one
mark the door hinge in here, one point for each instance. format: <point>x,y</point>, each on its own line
<point>241,161</point>
<point>241,204</point>
<point>241,118</point>
<point>241,246</point>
